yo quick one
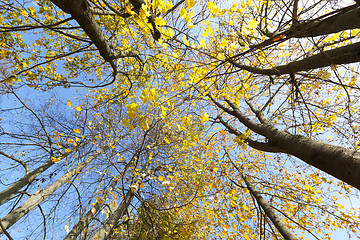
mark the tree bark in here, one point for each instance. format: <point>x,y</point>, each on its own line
<point>41,195</point>
<point>280,226</point>
<point>342,55</point>
<point>81,11</point>
<point>340,20</point>
<point>344,20</point>
<point>106,230</point>
<point>84,220</point>
<point>28,178</point>
<point>340,162</point>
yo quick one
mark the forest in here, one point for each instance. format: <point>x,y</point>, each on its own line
<point>179,119</point>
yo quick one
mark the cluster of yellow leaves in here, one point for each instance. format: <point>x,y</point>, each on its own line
<point>229,208</point>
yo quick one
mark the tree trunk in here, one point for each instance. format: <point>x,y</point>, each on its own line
<point>106,230</point>
<point>280,226</point>
<point>28,178</point>
<point>340,162</point>
<point>84,220</point>
<point>38,197</point>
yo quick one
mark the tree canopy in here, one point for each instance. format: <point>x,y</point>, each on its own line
<point>154,119</point>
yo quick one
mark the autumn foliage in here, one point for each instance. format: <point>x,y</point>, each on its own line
<point>179,119</point>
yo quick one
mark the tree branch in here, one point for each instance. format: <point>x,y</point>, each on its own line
<point>261,146</point>
<point>341,55</point>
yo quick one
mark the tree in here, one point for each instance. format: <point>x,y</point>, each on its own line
<point>339,162</point>
<point>149,78</point>
<point>296,110</point>
<point>117,139</point>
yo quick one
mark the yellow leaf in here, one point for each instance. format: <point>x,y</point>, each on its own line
<point>67,228</point>
<point>190,3</point>
<point>186,121</point>
<point>55,160</point>
<point>132,106</point>
<point>213,8</point>
<point>316,85</point>
<point>163,114</point>
<point>10,80</point>
<point>128,10</point>
<point>142,185</point>
<point>144,13</point>
<point>145,126</point>
<point>202,43</point>
<point>70,140</point>
<point>24,13</point>
<point>253,23</point>
<point>161,178</point>
<point>226,227</point>
<point>125,122</point>
<point>160,21</point>
<point>325,75</point>
<point>234,46</point>
<point>170,32</point>
<point>69,103</point>
<point>93,210</point>
<point>77,131</point>
<point>204,117</point>
<point>185,41</point>
<point>183,13</point>
<point>208,32</point>
<point>190,25</point>
<point>131,114</point>
<point>78,108</point>
<point>224,44</point>
<point>169,5</point>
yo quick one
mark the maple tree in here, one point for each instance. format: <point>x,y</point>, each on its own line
<point>156,83</point>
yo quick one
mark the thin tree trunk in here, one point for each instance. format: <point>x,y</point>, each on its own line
<point>280,226</point>
<point>38,197</point>
<point>106,230</point>
<point>340,162</point>
<point>84,220</point>
<point>28,178</point>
